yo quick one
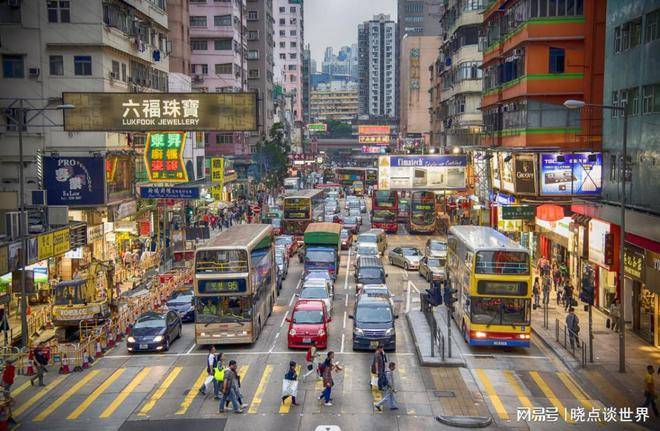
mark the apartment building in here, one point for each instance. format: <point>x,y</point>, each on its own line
<point>419,17</point>
<point>260,58</point>
<point>289,50</point>
<point>337,100</point>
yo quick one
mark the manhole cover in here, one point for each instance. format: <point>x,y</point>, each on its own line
<point>444,394</point>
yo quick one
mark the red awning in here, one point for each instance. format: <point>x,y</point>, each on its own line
<point>550,212</point>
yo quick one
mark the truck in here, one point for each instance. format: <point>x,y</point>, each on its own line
<point>322,247</point>
<point>292,184</point>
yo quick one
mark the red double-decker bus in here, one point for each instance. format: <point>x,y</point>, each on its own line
<point>385,209</point>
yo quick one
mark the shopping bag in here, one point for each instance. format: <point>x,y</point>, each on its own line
<point>208,381</point>
<point>289,388</point>
<point>374,380</point>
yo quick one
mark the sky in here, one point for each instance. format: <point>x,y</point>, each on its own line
<point>334,22</point>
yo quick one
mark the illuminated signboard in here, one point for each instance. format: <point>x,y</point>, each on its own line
<point>218,170</point>
<point>374,139</point>
<point>317,127</point>
<point>571,173</point>
<point>223,112</point>
<point>222,286</point>
<point>163,157</point>
<point>373,130</point>
<point>438,172</point>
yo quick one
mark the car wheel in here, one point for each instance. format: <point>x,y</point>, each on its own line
<point>405,266</point>
<point>166,346</point>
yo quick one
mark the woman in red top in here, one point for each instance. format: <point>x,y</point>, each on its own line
<point>8,375</point>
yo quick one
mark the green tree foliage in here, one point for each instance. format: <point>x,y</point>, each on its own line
<point>271,157</point>
<point>338,129</point>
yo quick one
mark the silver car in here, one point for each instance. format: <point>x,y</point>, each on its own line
<point>433,268</point>
<point>317,289</point>
<point>367,249</point>
<point>377,290</point>
<point>354,212</point>
<point>405,257</point>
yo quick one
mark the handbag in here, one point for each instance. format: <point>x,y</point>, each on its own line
<point>374,380</point>
<point>382,382</point>
<point>608,324</point>
<point>310,367</point>
<point>289,387</point>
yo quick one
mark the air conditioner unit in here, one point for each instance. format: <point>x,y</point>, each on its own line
<point>12,227</point>
<point>34,72</point>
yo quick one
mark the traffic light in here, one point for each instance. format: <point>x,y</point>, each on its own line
<point>587,290</point>
<point>450,296</point>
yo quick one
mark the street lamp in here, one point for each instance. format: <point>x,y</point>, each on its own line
<point>21,123</point>
<point>578,104</point>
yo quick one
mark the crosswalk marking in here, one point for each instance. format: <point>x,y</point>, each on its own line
<point>549,394</point>
<point>375,392</point>
<point>160,391</point>
<point>39,395</point>
<point>65,396</point>
<point>20,389</point>
<point>494,398</point>
<point>285,407</point>
<point>256,400</point>
<point>94,395</point>
<point>575,390</point>
<point>190,396</point>
<point>517,389</point>
<point>125,393</point>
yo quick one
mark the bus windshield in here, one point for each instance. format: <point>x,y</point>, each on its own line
<point>418,217</point>
<point>320,256</point>
<point>502,262</point>
<point>296,208</point>
<point>223,309</point>
<point>385,199</point>
<point>384,215</point>
<point>221,261</point>
<point>500,311</point>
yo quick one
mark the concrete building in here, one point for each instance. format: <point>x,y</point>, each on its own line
<point>307,83</point>
<point>456,77</point>
<point>343,65</point>
<point>178,23</point>
<point>260,55</point>
<point>418,54</point>
<point>218,43</point>
<point>337,100</point>
<point>289,39</point>
<point>51,47</point>
<point>377,54</point>
<point>420,18</point>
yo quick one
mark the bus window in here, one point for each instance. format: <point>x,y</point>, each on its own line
<point>219,309</point>
<point>219,261</point>
<point>502,262</point>
<point>499,311</point>
<point>296,208</point>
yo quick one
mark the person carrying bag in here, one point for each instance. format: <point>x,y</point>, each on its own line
<point>290,384</point>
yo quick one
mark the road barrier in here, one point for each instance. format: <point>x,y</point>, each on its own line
<point>570,340</point>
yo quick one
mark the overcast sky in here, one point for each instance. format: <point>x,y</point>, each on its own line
<point>334,22</point>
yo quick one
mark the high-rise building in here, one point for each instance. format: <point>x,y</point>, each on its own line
<point>260,59</point>
<point>178,20</point>
<point>377,54</point>
<point>343,66</point>
<point>307,82</point>
<point>420,17</point>
<point>289,39</point>
<point>337,100</point>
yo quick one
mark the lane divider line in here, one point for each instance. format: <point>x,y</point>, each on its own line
<point>125,393</point>
<point>160,391</point>
<point>94,395</point>
<point>261,388</point>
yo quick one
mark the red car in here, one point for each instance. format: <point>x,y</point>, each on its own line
<point>308,323</point>
<point>346,239</point>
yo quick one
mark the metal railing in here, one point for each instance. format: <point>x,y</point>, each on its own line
<point>437,337</point>
<point>571,341</point>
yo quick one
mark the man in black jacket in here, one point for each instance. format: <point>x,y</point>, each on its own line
<point>40,362</point>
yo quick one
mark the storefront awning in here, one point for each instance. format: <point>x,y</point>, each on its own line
<point>549,212</point>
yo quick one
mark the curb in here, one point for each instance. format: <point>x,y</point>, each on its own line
<point>562,357</point>
<point>420,357</point>
<point>465,421</point>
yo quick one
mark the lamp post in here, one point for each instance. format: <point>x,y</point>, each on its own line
<point>21,123</point>
<point>578,104</point>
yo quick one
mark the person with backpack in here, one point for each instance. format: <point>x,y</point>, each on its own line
<point>290,386</point>
<point>40,362</point>
<point>388,389</point>
<point>378,365</point>
<point>310,358</point>
<point>326,371</point>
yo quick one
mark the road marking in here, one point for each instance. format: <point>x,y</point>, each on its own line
<point>192,392</point>
<point>191,349</point>
<point>125,393</point>
<point>94,395</point>
<point>494,398</point>
<point>550,395</point>
<point>274,342</point>
<point>242,371</point>
<point>517,389</point>
<point>292,298</point>
<point>344,324</point>
<point>342,343</point>
<point>346,300</point>
<point>20,389</point>
<point>577,392</point>
<point>348,263</point>
<point>256,400</point>
<point>231,352</point>
<point>42,393</point>
<point>375,392</point>
<point>413,286</point>
<point>284,318</point>
<point>478,355</point>
<point>286,405</point>
<point>160,391</point>
<point>65,396</point>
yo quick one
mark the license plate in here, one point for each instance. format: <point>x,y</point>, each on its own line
<point>373,344</point>
<point>499,343</point>
<point>143,346</point>
<point>307,340</point>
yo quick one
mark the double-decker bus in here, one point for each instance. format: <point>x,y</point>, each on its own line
<point>371,176</point>
<point>492,276</point>
<point>385,207</point>
<point>234,285</point>
<point>404,210</point>
<point>422,212</point>
<point>302,208</point>
<point>348,176</point>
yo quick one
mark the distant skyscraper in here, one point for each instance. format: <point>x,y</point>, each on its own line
<point>377,54</point>
<point>342,66</point>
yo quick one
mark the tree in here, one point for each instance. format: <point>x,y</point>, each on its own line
<point>338,129</point>
<point>271,157</point>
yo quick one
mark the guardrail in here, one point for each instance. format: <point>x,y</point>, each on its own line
<point>437,337</point>
<point>572,342</point>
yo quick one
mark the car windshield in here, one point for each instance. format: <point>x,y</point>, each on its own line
<point>436,263</point>
<point>344,234</point>
<point>320,256</point>
<point>368,238</point>
<point>279,258</point>
<point>382,293</point>
<point>411,252</point>
<point>308,316</point>
<point>314,293</point>
<point>182,298</point>
<point>438,246</point>
<point>350,220</point>
<point>150,322</point>
<point>366,250</point>
<point>354,212</point>
<point>375,273</point>
<point>500,311</point>
<point>315,275</point>
<point>374,314</point>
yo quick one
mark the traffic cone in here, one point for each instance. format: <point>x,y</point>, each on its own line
<point>99,352</point>
<point>85,363</point>
<point>64,368</point>
<point>29,364</point>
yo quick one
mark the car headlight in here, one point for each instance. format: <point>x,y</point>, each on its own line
<point>158,338</point>
<point>321,332</point>
<point>130,340</point>
<point>292,332</point>
<point>358,331</point>
<point>389,332</point>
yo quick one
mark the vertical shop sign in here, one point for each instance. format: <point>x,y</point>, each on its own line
<point>61,241</point>
<point>633,262</point>
<point>525,174</point>
<point>218,170</point>
<point>163,157</point>
<point>44,246</point>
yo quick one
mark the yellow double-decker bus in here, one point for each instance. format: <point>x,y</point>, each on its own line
<point>234,285</point>
<point>492,276</point>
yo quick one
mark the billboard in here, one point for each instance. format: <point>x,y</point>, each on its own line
<point>317,127</point>
<point>373,150</point>
<point>374,139</point>
<point>506,171</point>
<point>155,192</point>
<point>437,172</point>
<point>496,181</point>
<point>525,174</point>
<point>373,130</point>
<point>74,181</point>
<point>220,112</point>
<point>163,157</point>
<point>571,173</point>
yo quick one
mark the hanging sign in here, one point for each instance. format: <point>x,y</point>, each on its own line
<point>44,246</point>
<point>74,181</point>
<point>217,170</point>
<point>61,242</point>
<point>155,192</point>
<point>163,157</point>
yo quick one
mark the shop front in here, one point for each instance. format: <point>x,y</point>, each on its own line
<point>602,252</point>
<point>642,280</point>
<point>553,241</point>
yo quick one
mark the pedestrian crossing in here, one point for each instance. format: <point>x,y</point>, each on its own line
<point>173,390</point>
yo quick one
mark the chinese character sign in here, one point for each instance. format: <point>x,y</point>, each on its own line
<point>217,170</point>
<point>74,181</point>
<point>163,157</point>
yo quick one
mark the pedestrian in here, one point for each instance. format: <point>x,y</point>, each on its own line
<point>388,389</point>
<point>211,362</point>
<point>290,384</point>
<point>218,375</point>
<point>615,315</point>
<point>8,375</point>
<point>40,362</point>
<point>310,358</point>
<point>230,389</point>
<point>649,390</point>
<point>378,364</point>
<point>326,370</point>
<point>545,287</point>
<point>536,292</point>
<point>568,295</point>
<point>558,289</point>
<point>573,328</point>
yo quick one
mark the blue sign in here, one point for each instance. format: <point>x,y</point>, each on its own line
<point>74,181</point>
<point>571,173</point>
<point>426,161</point>
<point>504,199</point>
<point>157,192</point>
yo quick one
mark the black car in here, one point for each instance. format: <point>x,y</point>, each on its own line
<point>154,331</point>
<point>373,324</point>
<point>183,304</point>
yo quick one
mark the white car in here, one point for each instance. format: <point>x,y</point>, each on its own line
<point>405,257</point>
<point>366,249</point>
<point>317,289</point>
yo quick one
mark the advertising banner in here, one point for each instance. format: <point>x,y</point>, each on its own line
<point>525,174</point>
<point>374,139</point>
<point>495,171</point>
<point>217,170</point>
<point>373,130</point>
<point>61,242</point>
<point>437,172</point>
<point>317,127</point>
<point>373,150</point>
<point>74,181</point>
<point>518,212</point>
<point>163,157</point>
<point>599,231</point>
<point>169,192</point>
<point>44,246</point>
<point>571,173</point>
<point>117,112</point>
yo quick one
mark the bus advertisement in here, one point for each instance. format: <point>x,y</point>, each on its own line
<point>302,208</point>
<point>385,207</point>
<point>422,212</point>
<point>348,176</point>
<point>371,176</point>
<point>234,285</point>
<point>492,277</point>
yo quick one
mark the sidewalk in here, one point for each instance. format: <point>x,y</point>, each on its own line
<point>421,333</point>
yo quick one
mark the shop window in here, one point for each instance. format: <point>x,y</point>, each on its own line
<point>557,59</point>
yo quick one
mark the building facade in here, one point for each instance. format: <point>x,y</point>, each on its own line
<point>419,17</point>
<point>289,49</point>
<point>343,65</point>
<point>377,54</point>
<point>178,20</point>
<point>337,100</point>
<point>307,83</point>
